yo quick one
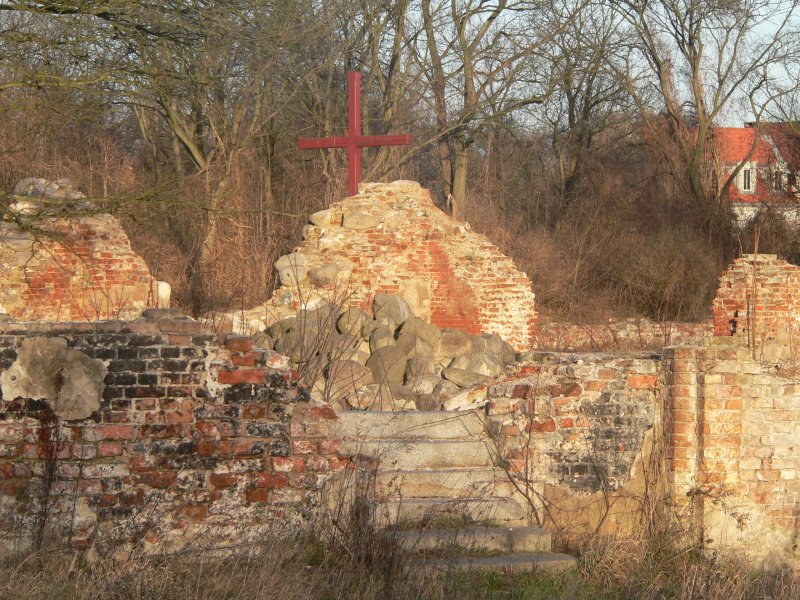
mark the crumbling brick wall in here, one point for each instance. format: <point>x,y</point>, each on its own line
<point>615,335</point>
<point>195,441</point>
<point>72,269</point>
<point>391,238</point>
<point>758,299</point>
<point>577,432</point>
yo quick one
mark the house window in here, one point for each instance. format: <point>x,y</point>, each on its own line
<point>777,181</point>
<point>747,182</point>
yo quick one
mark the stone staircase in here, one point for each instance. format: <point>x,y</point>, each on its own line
<point>438,486</point>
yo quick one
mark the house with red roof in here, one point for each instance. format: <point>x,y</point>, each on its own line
<point>768,159</point>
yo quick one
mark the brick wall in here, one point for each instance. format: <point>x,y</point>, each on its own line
<point>758,300</point>
<point>450,275</point>
<point>616,335</point>
<point>577,432</point>
<point>733,446</point>
<point>195,440</point>
<point>577,420</point>
<point>77,269</point>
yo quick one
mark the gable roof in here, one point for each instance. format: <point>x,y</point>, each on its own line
<point>772,145</point>
<point>733,144</point>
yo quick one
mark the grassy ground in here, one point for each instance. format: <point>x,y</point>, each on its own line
<point>368,566</point>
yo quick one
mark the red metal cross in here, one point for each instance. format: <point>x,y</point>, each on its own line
<point>353,141</point>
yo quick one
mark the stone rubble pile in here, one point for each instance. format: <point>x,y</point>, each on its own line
<point>42,194</point>
<point>388,360</point>
<point>391,239</point>
<point>60,189</point>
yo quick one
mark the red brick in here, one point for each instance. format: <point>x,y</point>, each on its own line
<point>260,495</point>
<point>643,382</point>
<point>254,411</point>
<point>223,480</point>
<point>304,447</point>
<point>108,432</point>
<point>521,390</point>
<point>271,480</point>
<point>329,446</point>
<point>195,512</point>
<point>156,479</point>
<point>571,390</point>
<point>546,426</point>
<point>207,429</point>
<point>509,430</point>
<point>239,343</point>
<point>324,411</point>
<point>242,376</point>
<point>283,464</point>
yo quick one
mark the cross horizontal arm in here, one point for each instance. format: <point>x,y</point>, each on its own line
<point>401,139</point>
<point>318,143</point>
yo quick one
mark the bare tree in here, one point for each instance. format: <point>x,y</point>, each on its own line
<point>587,99</point>
<point>705,56</point>
<point>476,57</point>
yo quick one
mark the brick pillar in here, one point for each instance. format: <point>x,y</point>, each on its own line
<point>682,418</point>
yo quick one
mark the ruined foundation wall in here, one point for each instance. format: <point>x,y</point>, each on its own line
<point>193,440</point>
<point>578,431</point>
<point>617,335</point>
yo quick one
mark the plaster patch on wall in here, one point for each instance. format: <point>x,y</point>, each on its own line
<point>46,369</point>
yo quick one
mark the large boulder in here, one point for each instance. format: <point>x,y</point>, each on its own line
<point>386,306</point>
<point>482,362</point>
<point>496,346</point>
<point>378,396</point>
<point>468,399</point>
<point>70,381</point>
<point>388,364</point>
<point>359,220</point>
<point>292,268</point>
<point>445,389</point>
<point>322,317</point>
<point>463,378</point>
<point>415,346</point>
<point>324,275</point>
<point>344,377</point>
<point>352,321</point>
<point>452,344</point>
<point>422,329</point>
<point>380,338</point>
<point>419,365</point>
<point>423,384</point>
<point>280,328</point>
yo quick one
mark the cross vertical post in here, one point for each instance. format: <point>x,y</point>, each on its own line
<point>353,131</point>
<point>354,141</point>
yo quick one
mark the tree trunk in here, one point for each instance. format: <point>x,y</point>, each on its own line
<point>459,191</point>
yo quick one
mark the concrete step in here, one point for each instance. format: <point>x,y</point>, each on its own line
<point>545,561</point>
<point>410,425</point>
<point>444,511</point>
<point>456,483</point>
<point>411,454</point>
<point>470,539</point>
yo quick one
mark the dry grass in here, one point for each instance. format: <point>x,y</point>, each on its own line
<point>342,563</point>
